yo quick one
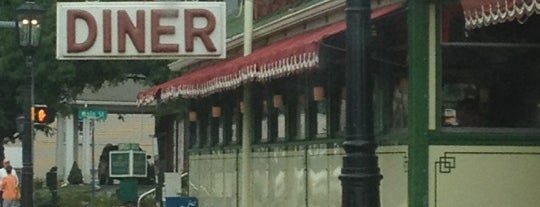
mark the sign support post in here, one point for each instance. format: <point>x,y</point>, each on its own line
<point>89,116</point>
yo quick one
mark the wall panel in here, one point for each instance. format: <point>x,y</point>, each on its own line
<point>495,176</point>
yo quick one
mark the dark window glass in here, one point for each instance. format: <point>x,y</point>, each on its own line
<point>490,75</point>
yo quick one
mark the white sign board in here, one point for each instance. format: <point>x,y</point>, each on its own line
<point>140,30</point>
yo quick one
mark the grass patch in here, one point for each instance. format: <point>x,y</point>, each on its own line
<point>80,195</point>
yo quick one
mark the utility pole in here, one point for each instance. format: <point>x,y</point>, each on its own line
<point>247,116</point>
<point>360,176</point>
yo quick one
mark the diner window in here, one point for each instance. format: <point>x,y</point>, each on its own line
<point>222,113</point>
<point>273,112</point>
<point>390,77</point>
<point>321,112</point>
<point>264,122</point>
<point>196,125</point>
<point>193,129</point>
<point>330,88</point>
<point>277,119</point>
<point>296,100</point>
<point>281,120</point>
<point>400,100</point>
<point>217,135</point>
<point>301,116</point>
<point>283,112</point>
<point>203,127</point>
<point>342,110</point>
<point>260,114</point>
<point>236,122</point>
<point>490,75</point>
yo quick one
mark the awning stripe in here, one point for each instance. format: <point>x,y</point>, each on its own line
<point>288,57</point>
<point>482,13</point>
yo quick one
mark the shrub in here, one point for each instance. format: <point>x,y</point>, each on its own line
<point>76,196</point>
<point>75,175</point>
<point>38,183</point>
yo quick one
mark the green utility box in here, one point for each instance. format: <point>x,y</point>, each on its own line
<point>128,190</point>
<point>127,164</point>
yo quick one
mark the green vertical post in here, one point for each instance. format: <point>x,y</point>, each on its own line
<point>418,102</point>
<point>128,190</point>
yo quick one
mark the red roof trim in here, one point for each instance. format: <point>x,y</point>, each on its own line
<point>283,58</point>
<point>481,13</point>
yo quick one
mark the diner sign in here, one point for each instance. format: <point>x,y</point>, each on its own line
<point>140,30</point>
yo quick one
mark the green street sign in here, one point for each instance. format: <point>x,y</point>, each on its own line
<point>96,114</point>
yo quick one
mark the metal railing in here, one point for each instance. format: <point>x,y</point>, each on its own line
<point>144,195</point>
<point>153,190</point>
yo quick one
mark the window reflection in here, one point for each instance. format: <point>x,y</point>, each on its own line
<point>264,122</point>
<point>221,139</point>
<point>342,114</point>
<point>234,132</point>
<point>322,128</point>
<point>280,109</point>
<point>490,74</point>
<point>281,128</point>
<point>301,118</point>
<point>400,103</point>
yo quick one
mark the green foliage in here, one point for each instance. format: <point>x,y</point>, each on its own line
<point>75,175</point>
<point>74,196</point>
<point>57,82</point>
<point>149,201</point>
<point>39,183</point>
<point>80,196</point>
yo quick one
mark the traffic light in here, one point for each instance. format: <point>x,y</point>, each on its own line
<point>42,115</point>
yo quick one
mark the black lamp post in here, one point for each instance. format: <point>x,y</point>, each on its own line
<point>29,17</point>
<point>360,176</point>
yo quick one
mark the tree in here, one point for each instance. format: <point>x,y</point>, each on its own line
<point>57,82</point>
<point>75,175</point>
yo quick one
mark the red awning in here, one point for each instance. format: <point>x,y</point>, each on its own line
<point>284,58</point>
<point>481,13</point>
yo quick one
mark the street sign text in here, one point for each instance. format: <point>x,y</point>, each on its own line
<point>95,114</point>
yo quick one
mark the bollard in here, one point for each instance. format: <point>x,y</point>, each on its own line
<point>52,184</point>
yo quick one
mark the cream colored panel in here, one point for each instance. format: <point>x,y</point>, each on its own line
<point>318,176</point>
<point>230,181</point>
<point>393,166</point>
<point>194,175</point>
<point>240,174</point>
<point>335,163</point>
<point>277,185</point>
<point>204,181</point>
<point>296,177</point>
<point>491,176</point>
<point>213,179</point>
<point>217,180</point>
<point>260,183</point>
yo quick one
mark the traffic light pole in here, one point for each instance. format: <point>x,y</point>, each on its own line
<point>28,142</point>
